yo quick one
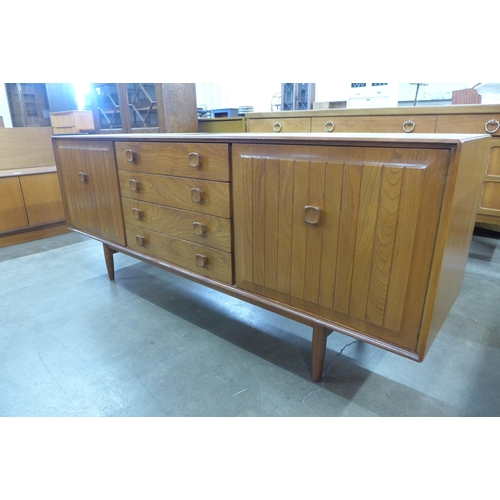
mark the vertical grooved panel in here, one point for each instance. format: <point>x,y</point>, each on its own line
<point>384,243</point>
<point>285,214</point>
<point>259,220</point>
<point>330,224</point>
<point>347,236</point>
<point>363,253</point>
<point>409,208</point>
<point>300,192</point>
<point>316,198</point>
<point>271,223</point>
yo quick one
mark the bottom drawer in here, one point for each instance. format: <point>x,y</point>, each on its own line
<point>200,259</point>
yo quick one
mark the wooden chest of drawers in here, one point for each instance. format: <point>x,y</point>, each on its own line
<point>367,234</point>
<point>183,217</point>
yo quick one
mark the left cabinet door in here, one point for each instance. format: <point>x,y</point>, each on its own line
<point>12,209</point>
<point>90,188</point>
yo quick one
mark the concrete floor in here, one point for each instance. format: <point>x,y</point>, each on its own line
<point>72,343</point>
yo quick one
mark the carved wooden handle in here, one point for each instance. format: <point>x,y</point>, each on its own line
<point>137,214</point>
<point>196,195</point>
<point>83,177</point>
<point>140,240</point>
<point>195,160</point>
<point>130,155</point>
<point>199,229</point>
<point>312,214</point>
<point>133,184</point>
<point>201,260</point>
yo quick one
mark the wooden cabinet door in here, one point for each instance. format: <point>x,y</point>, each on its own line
<point>42,196</point>
<point>345,233</point>
<point>91,193</point>
<point>12,210</point>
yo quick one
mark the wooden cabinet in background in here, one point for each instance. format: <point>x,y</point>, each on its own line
<point>144,107</point>
<point>361,234</point>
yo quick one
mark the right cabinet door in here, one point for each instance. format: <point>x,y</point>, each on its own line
<point>90,188</point>
<point>344,233</point>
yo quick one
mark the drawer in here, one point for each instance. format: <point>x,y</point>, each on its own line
<point>279,125</point>
<point>207,197</point>
<point>199,161</point>
<point>490,199</point>
<point>200,259</point>
<point>214,232</point>
<point>469,124</point>
<point>381,124</point>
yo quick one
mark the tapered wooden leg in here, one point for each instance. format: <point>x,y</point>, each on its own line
<point>320,334</point>
<point>110,263</point>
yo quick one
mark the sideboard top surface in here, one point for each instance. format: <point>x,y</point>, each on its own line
<point>324,139</point>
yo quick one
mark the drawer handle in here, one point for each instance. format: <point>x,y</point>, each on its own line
<point>83,177</point>
<point>408,126</point>
<point>329,126</point>
<point>277,127</point>
<point>491,122</point>
<point>199,229</point>
<point>312,215</point>
<point>195,160</point>
<point>137,214</point>
<point>140,240</point>
<point>201,260</point>
<point>196,195</point>
<point>133,184</point>
<point>130,155</point>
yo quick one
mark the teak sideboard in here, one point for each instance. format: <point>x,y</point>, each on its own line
<point>364,234</point>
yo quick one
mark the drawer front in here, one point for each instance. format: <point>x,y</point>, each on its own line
<point>214,232</point>
<point>207,197</point>
<point>490,200</point>
<point>199,161</point>
<point>417,124</point>
<point>469,124</point>
<point>200,259</point>
<point>279,125</point>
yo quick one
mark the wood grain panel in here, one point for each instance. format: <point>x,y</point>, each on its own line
<point>285,224</point>
<point>259,221</point>
<point>93,206</point>
<point>387,217</point>
<point>173,159</point>
<point>271,224</point>
<point>365,239</point>
<point>182,253</point>
<point>494,160</point>
<point>179,223</point>
<point>331,227</point>
<point>12,211</point>
<point>176,192</point>
<point>42,197</point>
<point>349,211</point>
<point>491,195</point>
<point>409,208</point>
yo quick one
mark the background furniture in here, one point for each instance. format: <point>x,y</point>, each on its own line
<point>72,122</point>
<point>433,119</point>
<point>30,197</point>
<point>297,96</point>
<point>366,235</point>
<point>144,107</point>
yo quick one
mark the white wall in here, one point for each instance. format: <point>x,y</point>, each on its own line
<point>4,106</point>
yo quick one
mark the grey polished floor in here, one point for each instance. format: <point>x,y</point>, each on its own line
<point>72,343</point>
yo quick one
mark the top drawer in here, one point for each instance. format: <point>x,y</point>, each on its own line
<point>379,124</point>
<point>279,125</point>
<point>469,124</point>
<point>195,160</point>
